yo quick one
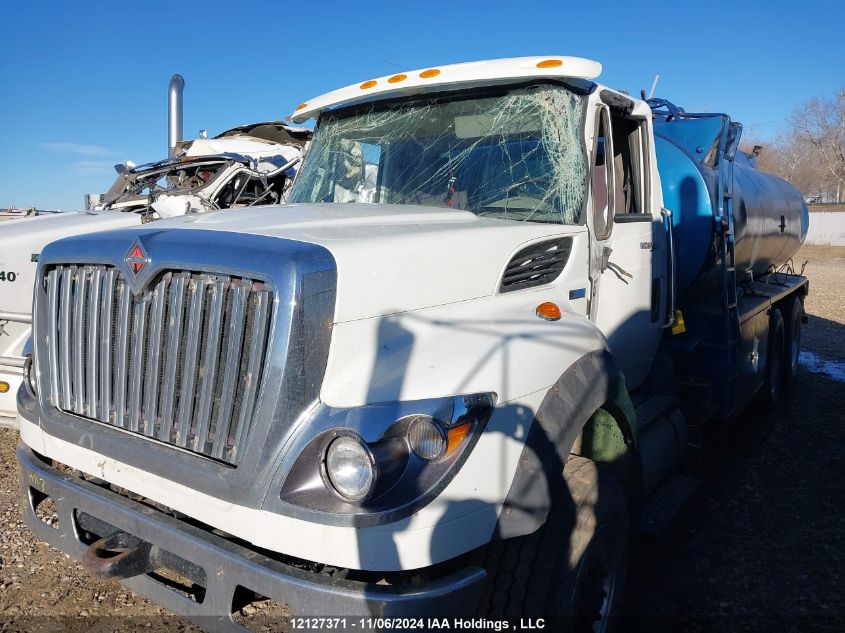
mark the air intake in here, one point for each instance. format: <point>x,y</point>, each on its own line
<point>536,265</point>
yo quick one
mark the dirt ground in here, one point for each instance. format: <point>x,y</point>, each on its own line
<point>759,546</point>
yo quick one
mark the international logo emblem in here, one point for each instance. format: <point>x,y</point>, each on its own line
<point>136,258</point>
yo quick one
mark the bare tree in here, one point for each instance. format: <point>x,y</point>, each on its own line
<point>820,124</point>
<point>810,152</point>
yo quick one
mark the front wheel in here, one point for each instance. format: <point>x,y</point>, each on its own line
<point>571,570</point>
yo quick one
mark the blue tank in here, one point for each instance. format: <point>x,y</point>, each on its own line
<point>770,215</point>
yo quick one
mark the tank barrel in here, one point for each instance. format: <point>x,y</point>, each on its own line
<point>770,215</point>
<point>174,112</point>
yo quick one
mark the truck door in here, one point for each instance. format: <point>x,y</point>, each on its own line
<point>626,292</point>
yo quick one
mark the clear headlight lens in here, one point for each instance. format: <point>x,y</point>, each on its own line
<point>349,467</point>
<point>426,438</point>
<point>29,374</point>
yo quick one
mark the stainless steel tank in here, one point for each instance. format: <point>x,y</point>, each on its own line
<point>770,215</point>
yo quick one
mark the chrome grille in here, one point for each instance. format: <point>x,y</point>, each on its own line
<point>180,362</point>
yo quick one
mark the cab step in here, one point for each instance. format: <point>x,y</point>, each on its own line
<point>665,502</point>
<point>652,408</point>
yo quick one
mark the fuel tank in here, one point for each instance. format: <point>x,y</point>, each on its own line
<point>770,215</point>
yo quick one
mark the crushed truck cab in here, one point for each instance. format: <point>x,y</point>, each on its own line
<point>456,345</point>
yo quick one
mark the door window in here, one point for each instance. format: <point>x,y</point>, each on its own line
<point>602,177</point>
<point>628,165</point>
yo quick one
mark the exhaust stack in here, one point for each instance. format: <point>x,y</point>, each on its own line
<point>174,112</point>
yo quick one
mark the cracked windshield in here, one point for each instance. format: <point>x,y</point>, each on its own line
<point>515,156</point>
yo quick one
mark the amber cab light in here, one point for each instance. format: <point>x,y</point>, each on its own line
<point>456,435</point>
<point>548,311</point>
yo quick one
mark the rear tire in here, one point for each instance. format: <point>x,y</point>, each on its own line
<point>792,349</point>
<point>773,385</point>
<point>573,568</point>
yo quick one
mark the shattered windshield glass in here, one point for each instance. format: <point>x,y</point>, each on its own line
<point>516,156</point>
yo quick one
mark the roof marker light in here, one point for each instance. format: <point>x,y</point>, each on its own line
<point>431,72</point>
<point>301,106</point>
<point>397,78</point>
<point>550,63</point>
<point>368,84</point>
<point>548,311</point>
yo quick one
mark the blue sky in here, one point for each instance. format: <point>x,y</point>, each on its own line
<point>84,84</point>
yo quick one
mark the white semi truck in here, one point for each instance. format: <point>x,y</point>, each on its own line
<point>245,166</point>
<point>445,379</point>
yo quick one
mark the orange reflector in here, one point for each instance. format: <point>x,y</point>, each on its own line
<point>301,106</point>
<point>431,72</point>
<point>397,78</point>
<point>368,84</point>
<point>550,63</point>
<point>548,311</point>
<point>456,435</point>
<point>4,386</point>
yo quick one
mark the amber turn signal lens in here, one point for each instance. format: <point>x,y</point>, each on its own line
<point>550,63</point>
<point>301,106</point>
<point>368,84</point>
<point>548,311</point>
<point>431,72</point>
<point>456,435</point>
<point>4,386</point>
<point>397,78</point>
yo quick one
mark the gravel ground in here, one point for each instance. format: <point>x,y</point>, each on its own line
<point>759,546</point>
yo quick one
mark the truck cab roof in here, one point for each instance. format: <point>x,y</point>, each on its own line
<point>452,77</point>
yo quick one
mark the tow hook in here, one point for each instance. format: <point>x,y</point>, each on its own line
<point>118,555</point>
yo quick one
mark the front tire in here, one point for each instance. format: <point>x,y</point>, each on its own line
<point>573,568</point>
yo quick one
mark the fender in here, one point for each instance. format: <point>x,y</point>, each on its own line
<point>590,383</point>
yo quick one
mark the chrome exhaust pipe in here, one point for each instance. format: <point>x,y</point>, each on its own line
<point>174,113</point>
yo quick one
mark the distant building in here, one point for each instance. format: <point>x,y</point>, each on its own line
<point>12,213</point>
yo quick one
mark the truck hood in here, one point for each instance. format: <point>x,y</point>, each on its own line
<point>391,258</point>
<point>21,242</point>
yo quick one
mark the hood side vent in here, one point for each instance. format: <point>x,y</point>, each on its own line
<point>536,265</point>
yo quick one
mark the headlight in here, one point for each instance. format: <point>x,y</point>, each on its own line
<point>377,463</point>
<point>349,467</point>
<point>29,375</point>
<point>426,439</point>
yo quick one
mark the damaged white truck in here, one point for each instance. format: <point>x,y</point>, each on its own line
<point>246,166</point>
<point>445,379</point>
